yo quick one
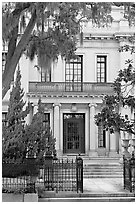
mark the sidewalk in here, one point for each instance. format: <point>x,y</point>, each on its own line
<point>96,190</point>
<point>103,185</point>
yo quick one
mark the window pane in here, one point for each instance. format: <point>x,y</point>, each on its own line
<point>75,73</point>
<point>101,68</point>
<point>101,137</point>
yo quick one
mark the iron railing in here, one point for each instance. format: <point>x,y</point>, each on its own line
<point>61,175</point>
<point>129,173</point>
<point>54,175</point>
<point>84,87</point>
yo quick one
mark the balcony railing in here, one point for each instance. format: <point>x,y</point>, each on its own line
<point>59,87</point>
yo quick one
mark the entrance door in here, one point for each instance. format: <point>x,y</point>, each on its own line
<point>74,137</point>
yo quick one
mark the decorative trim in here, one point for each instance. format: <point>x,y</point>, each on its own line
<point>92,105</point>
<point>99,38</point>
<point>56,104</point>
<point>63,96</point>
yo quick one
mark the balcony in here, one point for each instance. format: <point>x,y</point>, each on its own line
<point>71,88</point>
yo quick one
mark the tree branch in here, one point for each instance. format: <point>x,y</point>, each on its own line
<point>11,65</point>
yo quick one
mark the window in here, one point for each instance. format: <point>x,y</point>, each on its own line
<point>46,121</point>
<point>4,56</point>
<point>101,137</point>
<point>73,74</point>
<point>45,75</point>
<point>101,69</point>
<point>4,120</point>
<point>45,72</point>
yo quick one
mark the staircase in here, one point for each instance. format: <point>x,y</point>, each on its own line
<point>103,171</point>
<point>97,185</point>
<point>102,167</point>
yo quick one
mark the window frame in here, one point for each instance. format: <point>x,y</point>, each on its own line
<point>73,69</point>
<point>98,74</point>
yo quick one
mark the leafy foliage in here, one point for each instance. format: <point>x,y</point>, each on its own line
<point>19,140</point>
<point>12,135</point>
<point>110,117</point>
<point>50,28</point>
<point>38,136</point>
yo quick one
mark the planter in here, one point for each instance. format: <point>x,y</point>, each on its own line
<point>12,197</point>
<point>31,197</point>
<point>125,145</point>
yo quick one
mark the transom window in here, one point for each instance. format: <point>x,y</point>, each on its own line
<point>101,68</point>
<point>73,74</point>
<point>101,136</point>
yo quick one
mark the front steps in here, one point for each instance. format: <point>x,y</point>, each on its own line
<point>100,167</point>
<point>110,170</point>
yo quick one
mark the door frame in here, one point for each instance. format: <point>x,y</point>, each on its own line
<point>74,119</point>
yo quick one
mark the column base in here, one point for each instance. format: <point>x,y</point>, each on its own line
<point>93,153</point>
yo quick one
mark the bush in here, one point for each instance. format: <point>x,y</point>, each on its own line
<point>28,168</point>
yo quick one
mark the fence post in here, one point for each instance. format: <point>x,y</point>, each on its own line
<point>124,171</point>
<point>132,173</point>
<point>79,174</point>
<point>48,171</point>
<point>31,164</point>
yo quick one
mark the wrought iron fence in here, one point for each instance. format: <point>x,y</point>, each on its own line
<point>19,176</point>
<point>54,174</point>
<point>61,175</point>
<point>129,173</point>
<point>18,184</point>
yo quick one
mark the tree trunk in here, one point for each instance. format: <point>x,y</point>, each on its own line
<point>11,65</point>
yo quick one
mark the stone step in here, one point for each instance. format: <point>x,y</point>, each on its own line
<point>103,173</point>
<point>102,169</point>
<point>88,197</point>
<point>102,176</point>
<point>104,165</point>
<point>90,159</point>
<point>97,199</point>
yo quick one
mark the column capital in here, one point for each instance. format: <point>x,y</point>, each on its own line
<point>56,104</point>
<point>92,105</point>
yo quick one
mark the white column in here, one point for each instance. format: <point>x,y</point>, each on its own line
<point>35,109</point>
<point>31,114</point>
<point>92,131</point>
<point>56,130</point>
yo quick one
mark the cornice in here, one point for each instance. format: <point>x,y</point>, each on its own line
<point>108,36</point>
<point>55,96</point>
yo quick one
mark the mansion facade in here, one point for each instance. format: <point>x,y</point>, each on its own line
<point>72,92</point>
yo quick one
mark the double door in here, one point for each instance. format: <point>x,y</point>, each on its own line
<point>74,137</point>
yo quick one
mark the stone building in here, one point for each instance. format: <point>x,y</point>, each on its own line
<point>72,92</point>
